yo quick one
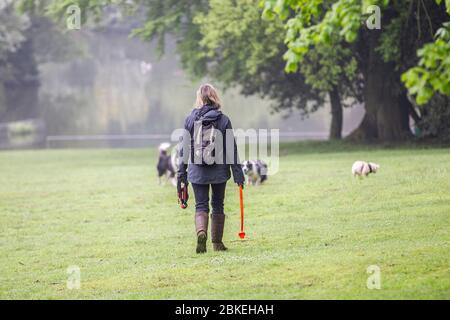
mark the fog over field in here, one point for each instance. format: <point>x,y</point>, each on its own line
<point>101,81</point>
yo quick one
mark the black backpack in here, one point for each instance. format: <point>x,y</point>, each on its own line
<point>204,142</point>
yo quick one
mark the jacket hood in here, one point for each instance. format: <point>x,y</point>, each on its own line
<point>206,113</point>
<point>211,115</point>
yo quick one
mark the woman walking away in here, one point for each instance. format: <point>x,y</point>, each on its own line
<point>206,164</point>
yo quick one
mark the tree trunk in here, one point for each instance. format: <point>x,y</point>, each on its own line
<point>387,114</point>
<point>336,115</point>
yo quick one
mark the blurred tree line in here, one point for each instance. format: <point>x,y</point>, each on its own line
<point>302,53</point>
<point>100,81</point>
<point>26,40</point>
<point>17,65</point>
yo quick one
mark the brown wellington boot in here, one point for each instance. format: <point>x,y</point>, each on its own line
<point>217,224</point>
<point>201,227</point>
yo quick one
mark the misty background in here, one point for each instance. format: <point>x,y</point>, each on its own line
<point>84,85</point>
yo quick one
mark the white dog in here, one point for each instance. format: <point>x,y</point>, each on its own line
<point>362,168</point>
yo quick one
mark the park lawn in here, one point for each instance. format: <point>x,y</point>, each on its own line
<point>312,229</point>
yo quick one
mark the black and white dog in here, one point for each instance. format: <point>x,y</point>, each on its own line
<point>255,171</point>
<point>165,166</point>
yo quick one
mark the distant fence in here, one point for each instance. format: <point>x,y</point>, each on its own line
<point>113,141</point>
<point>148,140</point>
<point>31,134</point>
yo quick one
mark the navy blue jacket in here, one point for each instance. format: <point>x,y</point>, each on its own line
<point>215,173</point>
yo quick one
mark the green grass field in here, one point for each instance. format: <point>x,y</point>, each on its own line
<point>312,229</point>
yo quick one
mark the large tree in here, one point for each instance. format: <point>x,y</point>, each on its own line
<point>245,49</point>
<point>228,41</point>
<point>330,52</point>
<point>382,55</point>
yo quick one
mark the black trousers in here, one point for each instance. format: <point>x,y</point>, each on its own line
<point>201,193</point>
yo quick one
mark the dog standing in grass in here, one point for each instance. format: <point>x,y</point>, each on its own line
<point>255,171</point>
<point>363,169</point>
<point>164,166</point>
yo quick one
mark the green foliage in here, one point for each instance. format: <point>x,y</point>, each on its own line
<point>315,23</point>
<point>393,32</point>
<point>432,75</point>
<point>233,31</point>
<point>224,40</point>
<point>312,25</point>
<point>325,40</point>
<point>331,66</point>
<point>447,4</point>
<point>318,22</point>
<point>316,49</point>
<point>243,49</point>
<point>175,17</point>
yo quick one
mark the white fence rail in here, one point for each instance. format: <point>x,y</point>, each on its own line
<point>124,140</point>
<point>153,139</point>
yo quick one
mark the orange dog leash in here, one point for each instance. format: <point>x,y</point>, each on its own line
<point>241,198</point>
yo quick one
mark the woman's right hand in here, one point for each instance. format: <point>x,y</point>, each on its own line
<point>181,181</point>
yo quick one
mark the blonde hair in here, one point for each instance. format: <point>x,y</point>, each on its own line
<point>207,95</point>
